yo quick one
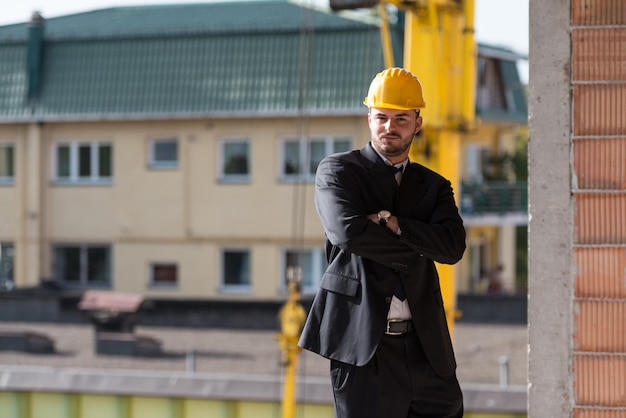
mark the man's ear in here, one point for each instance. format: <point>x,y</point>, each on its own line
<point>418,124</point>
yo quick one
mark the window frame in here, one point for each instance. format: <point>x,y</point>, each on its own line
<point>229,287</point>
<point>318,264</point>
<point>234,178</point>
<point>74,163</point>
<point>7,265</point>
<point>475,157</point>
<point>10,178</point>
<point>491,93</point>
<point>163,284</point>
<point>83,279</point>
<point>305,171</point>
<point>155,164</point>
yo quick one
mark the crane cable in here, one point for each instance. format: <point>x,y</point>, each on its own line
<point>304,76</point>
<point>302,134</point>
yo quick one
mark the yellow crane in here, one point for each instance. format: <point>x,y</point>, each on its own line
<point>440,48</point>
<point>291,316</point>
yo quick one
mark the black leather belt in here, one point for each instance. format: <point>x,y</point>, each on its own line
<point>398,327</point>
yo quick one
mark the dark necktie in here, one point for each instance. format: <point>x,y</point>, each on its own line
<point>397,172</point>
<point>398,290</point>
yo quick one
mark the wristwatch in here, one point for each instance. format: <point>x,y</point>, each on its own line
<point>383,217</point>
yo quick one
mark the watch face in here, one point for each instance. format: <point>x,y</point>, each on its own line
<point>384,214</point>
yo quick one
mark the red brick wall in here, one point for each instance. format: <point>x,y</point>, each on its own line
<point>599,191</point>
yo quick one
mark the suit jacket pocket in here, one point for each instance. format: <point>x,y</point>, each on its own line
<point>337,283</point>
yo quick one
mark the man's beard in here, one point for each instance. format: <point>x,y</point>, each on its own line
<point>394,148</point>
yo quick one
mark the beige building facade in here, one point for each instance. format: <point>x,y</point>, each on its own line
<point>152,207</point>
<point>177,224</point>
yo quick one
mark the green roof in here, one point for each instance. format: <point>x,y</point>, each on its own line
<point>196,60</point>
<point>236,59</point>
<point>249,17</point>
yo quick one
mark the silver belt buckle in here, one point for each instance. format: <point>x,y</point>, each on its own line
<point>388,330</point>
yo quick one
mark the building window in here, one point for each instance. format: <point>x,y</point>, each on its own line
<point>164,153</point>
<point>235,160</point>
<point>476,158</point>
<point>490,89</point>
<point>82,264</point>
<point>6,266</point>
<point>305,265</point>
<point>164,274</point>
<point>7,161</point>
<point>301,157</point>
<point>83,162</point>
<point>235,270</point>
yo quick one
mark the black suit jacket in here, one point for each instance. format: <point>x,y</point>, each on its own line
<point>348,316</point>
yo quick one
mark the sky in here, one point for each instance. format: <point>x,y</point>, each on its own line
<point>497,22</point>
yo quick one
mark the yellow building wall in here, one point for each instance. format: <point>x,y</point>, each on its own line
<point>9,212</point>
<point>500,237</point>
<point>9,194</point>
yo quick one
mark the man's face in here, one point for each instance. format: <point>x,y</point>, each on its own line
<point>392,131</point>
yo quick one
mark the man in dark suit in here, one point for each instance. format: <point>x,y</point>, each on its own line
<point>379,314</point>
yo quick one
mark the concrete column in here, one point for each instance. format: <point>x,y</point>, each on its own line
<point>28,251</point>
<point>551,283</point>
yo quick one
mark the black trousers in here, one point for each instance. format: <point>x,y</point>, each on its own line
<point>397,383</point>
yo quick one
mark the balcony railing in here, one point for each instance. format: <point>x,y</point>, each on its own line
<point>491,198</point>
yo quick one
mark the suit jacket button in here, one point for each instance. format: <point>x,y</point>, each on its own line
<point>388,299</point>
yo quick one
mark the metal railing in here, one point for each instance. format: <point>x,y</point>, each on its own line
<point>494,198</point>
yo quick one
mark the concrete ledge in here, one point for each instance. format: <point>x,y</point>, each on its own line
<point>28,341</point>
<point>493,309</point>
<point>311,390</point>
<point>62,307</point>
<point>211,386</point>
<point>127,344</point>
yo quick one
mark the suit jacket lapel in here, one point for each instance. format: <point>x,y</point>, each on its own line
<point>411,189</point>
<point>380,173</point>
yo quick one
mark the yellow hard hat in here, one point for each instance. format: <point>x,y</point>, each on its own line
<point>395,88</point>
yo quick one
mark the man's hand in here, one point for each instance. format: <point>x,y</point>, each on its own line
<point>392,223</point>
